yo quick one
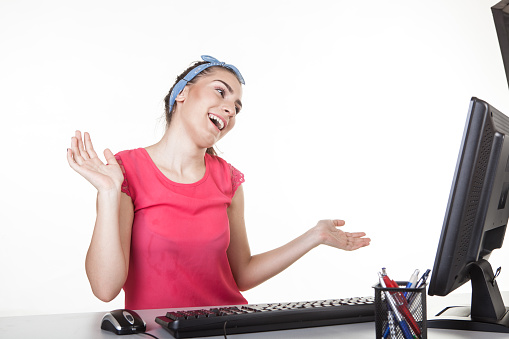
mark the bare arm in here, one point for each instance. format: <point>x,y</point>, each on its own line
<point>107,260</point>
<point>250,271</point>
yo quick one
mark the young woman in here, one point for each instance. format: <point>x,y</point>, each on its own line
<point>170,224</point>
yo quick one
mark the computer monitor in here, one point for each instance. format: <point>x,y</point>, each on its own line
<point>475,224</point>
<point>500,13</point>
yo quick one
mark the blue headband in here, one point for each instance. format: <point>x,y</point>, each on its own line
<point>195,71</point>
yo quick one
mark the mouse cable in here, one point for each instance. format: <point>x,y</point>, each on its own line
<point>153,336</point>
<point>224,329</point>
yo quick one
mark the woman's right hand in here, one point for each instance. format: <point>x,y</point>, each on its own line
<point>83,159</point>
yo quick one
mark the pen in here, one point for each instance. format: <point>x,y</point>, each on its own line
<point>421,283</point>
<point>401,302</point>
<point>423,279</point>
<point>402,324</point>
<point>412,282</point>
<point>390,328</point>
<point>388,282</point>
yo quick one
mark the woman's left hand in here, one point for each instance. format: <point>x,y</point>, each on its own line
<point>329,234</point>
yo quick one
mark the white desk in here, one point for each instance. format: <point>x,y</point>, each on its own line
<point>87,326</point>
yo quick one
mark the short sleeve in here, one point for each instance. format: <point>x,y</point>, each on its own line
<point>237,179</point>
<point>125,185</point>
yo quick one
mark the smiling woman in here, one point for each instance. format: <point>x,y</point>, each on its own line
<point>170,226</point>
<point>190,76</point>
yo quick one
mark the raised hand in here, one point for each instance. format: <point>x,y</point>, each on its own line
<point>331,235</point>
<point>83,159</point>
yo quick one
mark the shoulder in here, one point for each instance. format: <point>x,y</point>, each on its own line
<point>216,160</point>
<point>217,163</point>
<point>131,153</point>
<point>128,157</point>
<point>130,162</point>
<point>232,175</point>
<point>133,161</point>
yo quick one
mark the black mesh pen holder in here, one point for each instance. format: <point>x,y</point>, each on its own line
<point>400,313</point>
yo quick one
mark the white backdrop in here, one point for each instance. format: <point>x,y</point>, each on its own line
<point>352,109</point>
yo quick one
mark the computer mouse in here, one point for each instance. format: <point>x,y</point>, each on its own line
<point>123,321</point>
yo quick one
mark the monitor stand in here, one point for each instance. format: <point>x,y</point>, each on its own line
<point>487,312</point>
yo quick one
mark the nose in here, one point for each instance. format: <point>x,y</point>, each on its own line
<point>229,109</point>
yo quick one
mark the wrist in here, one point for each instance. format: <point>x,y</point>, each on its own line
<point>314,237</point>
<point>112,194</point>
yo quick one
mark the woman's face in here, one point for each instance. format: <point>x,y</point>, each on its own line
<point>207,108</point>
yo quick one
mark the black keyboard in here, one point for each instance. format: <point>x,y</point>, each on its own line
<point>266,317</point>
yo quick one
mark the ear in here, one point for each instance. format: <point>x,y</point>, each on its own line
<point>182,96</point>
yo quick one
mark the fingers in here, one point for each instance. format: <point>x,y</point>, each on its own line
<point>82,150</point>
<point>88,146</point>
<point>76,154</point>
<point>348,241</point>
<point>356,234</point>
<point>70,159</point>
<point>356,247</point>
<point>355,243</point>
<point>84,147</point>
<point>361,243</point>
<point>81,147</point>
<point>110,158</point>
<point>338,222</point>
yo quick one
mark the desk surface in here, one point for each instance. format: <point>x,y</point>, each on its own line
<point>87,325</point>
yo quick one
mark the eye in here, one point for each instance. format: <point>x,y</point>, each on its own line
<point>220,91</point>
<point>237,110</point>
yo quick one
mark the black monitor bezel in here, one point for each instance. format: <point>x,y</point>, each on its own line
<point>475,223</point>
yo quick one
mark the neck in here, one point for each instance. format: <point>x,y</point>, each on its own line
<point>178,157</point>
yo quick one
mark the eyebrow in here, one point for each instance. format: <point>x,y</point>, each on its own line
<point>230,89</point>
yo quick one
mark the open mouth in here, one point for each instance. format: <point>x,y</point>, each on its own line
<point>217,121</point>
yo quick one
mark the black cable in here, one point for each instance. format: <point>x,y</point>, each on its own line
<point>153,336</point>
<point>224,329</point>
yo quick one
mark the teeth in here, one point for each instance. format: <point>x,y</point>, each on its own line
<point>219,121</point>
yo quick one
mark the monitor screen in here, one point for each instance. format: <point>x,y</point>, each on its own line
<point>475,223</point>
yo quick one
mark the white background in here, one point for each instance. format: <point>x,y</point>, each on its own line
<point>352,109</point>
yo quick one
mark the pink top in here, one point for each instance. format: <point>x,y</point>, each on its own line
<point>180,235</point>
